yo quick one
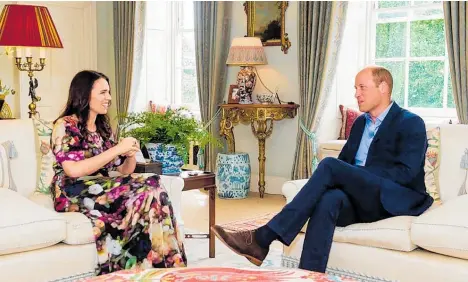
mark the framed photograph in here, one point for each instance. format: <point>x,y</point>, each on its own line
<point>233,96</point>
<point>266,20</point>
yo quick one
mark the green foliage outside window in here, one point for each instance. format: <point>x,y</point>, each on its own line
<point>426,39</point>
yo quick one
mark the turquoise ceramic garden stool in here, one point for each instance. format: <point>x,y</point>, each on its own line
<point>233,175</point>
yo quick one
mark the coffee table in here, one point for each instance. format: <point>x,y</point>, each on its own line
<point>196,274</point>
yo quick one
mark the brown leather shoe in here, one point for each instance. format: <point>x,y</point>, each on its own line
<point>241,242</point>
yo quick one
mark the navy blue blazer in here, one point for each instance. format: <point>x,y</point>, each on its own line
<point>396,156</point>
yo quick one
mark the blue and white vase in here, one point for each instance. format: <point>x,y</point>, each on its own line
<point>233,175</point>
<point>167,155</point>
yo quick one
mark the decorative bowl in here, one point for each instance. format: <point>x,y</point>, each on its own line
<point>266,98</point>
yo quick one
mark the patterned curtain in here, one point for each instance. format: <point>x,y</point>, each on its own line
<point>212,41</point>
<point>321,26</point>
<point>129,25</point>
<point>455,16</point>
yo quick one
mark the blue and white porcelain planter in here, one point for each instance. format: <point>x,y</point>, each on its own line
<point>233,175</point>
<point>167,155</point>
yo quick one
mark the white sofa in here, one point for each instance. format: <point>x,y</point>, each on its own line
<point>431,247</point>
<point>37,243</point>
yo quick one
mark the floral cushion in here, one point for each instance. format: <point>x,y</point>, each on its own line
<point>45,156</point>
<point>348,116</point>
<point>432,163</point>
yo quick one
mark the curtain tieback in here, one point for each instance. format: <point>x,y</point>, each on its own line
<point>212,119</point>
<point>313,138</point>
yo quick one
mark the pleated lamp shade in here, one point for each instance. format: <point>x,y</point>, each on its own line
<point>28,26</point>
<point>246,51</point>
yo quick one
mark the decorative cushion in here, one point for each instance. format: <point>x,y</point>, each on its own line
<point>432,163</point>
<point>391,233</point>
<point>4,169</point>
<point>444,230</point>
<point>348,116</point>
<point>7,152</point>
<point>45,155</point>
<point>28,226</point>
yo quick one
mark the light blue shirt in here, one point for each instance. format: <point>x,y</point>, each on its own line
<point>370,130</point>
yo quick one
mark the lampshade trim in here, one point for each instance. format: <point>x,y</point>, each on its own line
<point>246,55</point>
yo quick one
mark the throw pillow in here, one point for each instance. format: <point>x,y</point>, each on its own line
<point>7,152</point>
<point>348,116</point>
<point>45,155</point>
<point>432,163</point>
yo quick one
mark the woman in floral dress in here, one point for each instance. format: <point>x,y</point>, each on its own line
<point>132,216</point>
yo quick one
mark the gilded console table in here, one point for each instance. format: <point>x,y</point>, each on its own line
<point>261,118</point>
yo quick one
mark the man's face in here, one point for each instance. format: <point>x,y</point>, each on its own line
<point>368,95</point>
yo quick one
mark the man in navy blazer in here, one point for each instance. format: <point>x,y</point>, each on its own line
<point>378,174</point>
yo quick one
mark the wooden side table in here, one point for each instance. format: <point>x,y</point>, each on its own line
<point>152,167</point>
<point>261,118</point>
<point>203,180</point>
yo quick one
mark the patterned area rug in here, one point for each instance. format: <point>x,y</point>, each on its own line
<point>197,249</point>
<point>197,255</point>
<point>196,274</point>
<point>226,266</point>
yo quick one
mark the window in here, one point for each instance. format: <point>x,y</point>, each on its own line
<point>408,38</point>
<point>169,74</point>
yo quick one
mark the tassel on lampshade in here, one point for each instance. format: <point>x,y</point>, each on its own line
<point>246,52</point>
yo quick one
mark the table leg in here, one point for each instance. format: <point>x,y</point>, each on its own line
<point>212,220</point>
<point>226,130</point>
<point>261,166</point>
<point>261,129</point>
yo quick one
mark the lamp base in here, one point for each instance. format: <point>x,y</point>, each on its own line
<point>246,80</point>
<point>33,84</point>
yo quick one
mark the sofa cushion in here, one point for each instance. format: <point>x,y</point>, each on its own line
<point>432,163</point>
<point>27,226</point>
<point>391,233</point>
<point>348,116</point>
<point>7,152</point>
<point>4,169</point>
<point>44,156</point>
<point>444,230</point>
<point>79,227</point>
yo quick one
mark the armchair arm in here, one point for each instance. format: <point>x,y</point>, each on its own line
<point>174,186</point>
<point>292,187</point>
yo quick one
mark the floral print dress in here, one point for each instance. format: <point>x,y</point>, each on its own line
<point>133,221</point>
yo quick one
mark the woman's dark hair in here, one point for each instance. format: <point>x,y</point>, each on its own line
<point>78,103</point>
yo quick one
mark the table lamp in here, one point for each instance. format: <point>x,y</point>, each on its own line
<point>246,52</point>
<point>28,26</point>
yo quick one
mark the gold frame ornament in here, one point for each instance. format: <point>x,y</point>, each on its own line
<point>249,8</point>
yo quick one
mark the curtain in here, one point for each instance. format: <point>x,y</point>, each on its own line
<point>321,26</point>
<point>138,48</point>
<point>455,15</point>
<point>212,41</point>
<point>129,30</point>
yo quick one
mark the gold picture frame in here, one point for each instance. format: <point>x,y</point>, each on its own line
<point>266,20</point>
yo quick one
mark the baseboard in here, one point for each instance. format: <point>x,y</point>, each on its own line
<point>273,184</point>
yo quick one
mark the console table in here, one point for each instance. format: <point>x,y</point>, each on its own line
<point>261,118</point>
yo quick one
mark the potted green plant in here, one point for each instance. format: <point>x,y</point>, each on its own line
<point>167,135</point>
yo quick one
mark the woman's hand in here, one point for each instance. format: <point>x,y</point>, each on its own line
<point>128,146</point>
